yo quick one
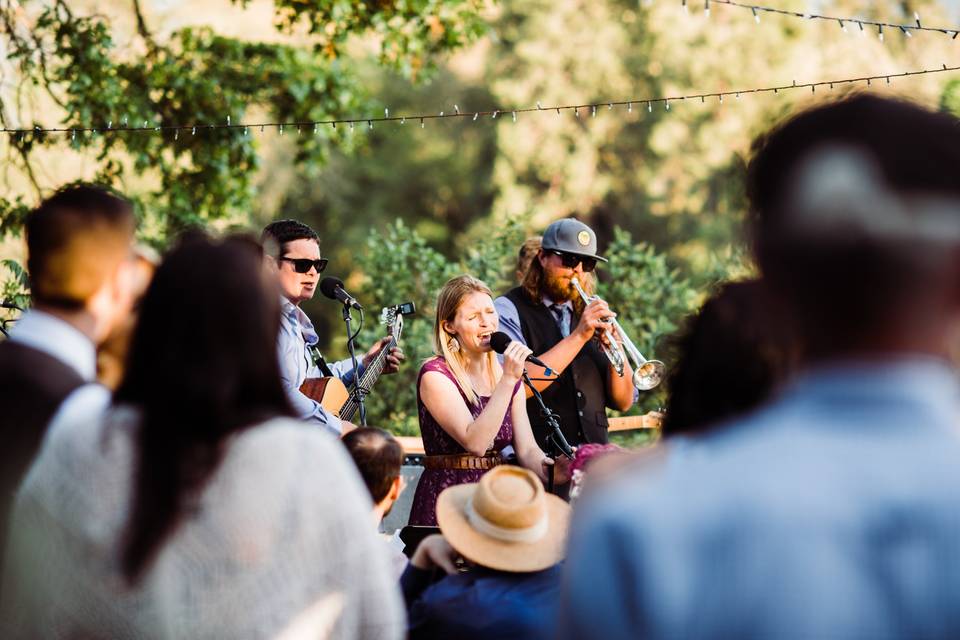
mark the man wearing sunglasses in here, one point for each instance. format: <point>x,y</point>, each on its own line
<point>292,254</point>
<point>547,314</point>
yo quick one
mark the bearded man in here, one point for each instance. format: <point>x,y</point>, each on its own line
<point>547,315</point>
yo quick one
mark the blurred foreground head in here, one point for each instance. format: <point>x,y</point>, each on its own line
<point>855,215</point>
<point>79,243</point>
<point>112,354</point>
<point>733,354</point>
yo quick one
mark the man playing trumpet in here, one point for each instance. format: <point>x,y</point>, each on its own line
<point>547,314</point>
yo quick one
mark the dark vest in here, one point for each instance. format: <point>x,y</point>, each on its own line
<point>580,394</point>
<point>33,384</point>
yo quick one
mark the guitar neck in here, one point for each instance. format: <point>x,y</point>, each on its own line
<point>369,378</point>
<point>650,420</point>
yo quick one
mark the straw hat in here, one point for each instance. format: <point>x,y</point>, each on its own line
<point>506,521</point>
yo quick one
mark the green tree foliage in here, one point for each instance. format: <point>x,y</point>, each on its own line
<point>409,32</point>
<point>84,79</point>
<point>401,267</point>
<point>673,177</point>
<point>648,295</point>
<point>950,100</point>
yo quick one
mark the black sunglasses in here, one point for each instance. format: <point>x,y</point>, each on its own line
<point>570,261</point>
<point>302,265</point>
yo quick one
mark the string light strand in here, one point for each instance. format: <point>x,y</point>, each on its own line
<point>474,115</point>
<point>906,29</point>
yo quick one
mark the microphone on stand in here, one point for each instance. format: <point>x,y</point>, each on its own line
<point>557,444</point>
<point>333,289</point>
<point>499,342</point>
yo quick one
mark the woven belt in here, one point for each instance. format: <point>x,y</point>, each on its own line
<point>462,462</point>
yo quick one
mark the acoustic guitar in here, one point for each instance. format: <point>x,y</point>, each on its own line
<point>330,391</point>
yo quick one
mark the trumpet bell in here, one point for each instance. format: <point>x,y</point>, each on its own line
<point>648,375</point>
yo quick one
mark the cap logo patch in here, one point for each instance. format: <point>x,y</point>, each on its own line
<point>583,238</point>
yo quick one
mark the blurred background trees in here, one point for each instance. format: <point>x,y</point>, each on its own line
<point>400,208</point>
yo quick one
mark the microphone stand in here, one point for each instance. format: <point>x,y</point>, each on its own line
<point>556,441</point>
<point>357,391</point>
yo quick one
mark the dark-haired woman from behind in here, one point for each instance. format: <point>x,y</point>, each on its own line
<point>733,355</point>
<point>195,507</point>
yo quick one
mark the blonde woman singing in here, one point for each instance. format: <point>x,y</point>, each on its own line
<point>470,407</point>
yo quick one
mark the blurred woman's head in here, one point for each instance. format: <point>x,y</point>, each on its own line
<point>465,320</point>
<point>733,354</point>
<point>202,365</point>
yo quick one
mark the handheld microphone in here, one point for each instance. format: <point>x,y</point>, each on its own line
<point>333,289</point>
<point>499,342</point>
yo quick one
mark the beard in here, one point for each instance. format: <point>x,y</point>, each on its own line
<point>558,289</point>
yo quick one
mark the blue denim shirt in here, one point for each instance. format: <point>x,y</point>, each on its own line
<point>296,365</point>
<point>834,512</point>
<point>482,603</point>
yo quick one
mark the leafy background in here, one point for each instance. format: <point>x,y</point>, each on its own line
<point>401,208</point>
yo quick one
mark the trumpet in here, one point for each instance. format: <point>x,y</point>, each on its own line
<point>647,374</point>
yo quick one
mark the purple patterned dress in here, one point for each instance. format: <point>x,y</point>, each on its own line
<point>437,442</point>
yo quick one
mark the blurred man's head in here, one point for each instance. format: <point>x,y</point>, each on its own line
<point>79,250</point>
<point>112,353</point>
<point>292,251</point>
<point>855,214</point>
<point>378,457</point>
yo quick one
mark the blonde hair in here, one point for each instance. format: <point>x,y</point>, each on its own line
<point>448,303</point>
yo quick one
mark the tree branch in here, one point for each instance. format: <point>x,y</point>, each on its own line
<point>142,27</point>
<point>22,44</point>
<point>29,169</point>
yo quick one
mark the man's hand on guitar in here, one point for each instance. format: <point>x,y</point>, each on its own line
<point>394,357</point>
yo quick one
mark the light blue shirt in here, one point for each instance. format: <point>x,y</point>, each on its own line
<point>296,335</point>
<point>510,317</point>
<point>51,335</point>
<point>832,513</point>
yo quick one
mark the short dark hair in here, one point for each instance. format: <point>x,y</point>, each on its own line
<point>847,286</point>
<point>225,377</point>
<point>277,234</point>
<point>74,240</point>
<point>378,457</point>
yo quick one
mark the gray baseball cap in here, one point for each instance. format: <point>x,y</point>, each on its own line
<point>571,236</point>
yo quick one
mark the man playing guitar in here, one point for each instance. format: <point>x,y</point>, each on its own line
<point>292,254</point>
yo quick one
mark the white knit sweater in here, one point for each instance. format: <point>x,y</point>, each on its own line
<point>279,545</point>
